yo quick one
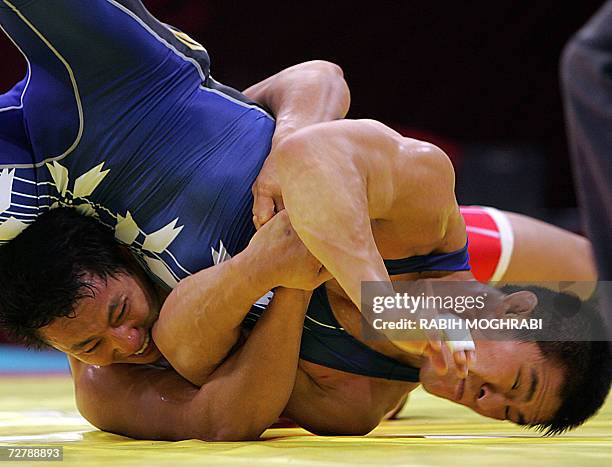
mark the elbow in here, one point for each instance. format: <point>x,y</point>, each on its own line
<point>326,68</point>
<point>230,424</point>
<point>332,74</point>
<point>88,399</point>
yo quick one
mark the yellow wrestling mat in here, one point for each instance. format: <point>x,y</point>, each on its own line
<point>41,411</point>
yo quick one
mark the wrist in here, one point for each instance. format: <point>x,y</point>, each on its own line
<point>292,301</point>
<point>259,275</point>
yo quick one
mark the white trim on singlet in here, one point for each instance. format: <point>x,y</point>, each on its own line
<point>236,101</point>
<point>179,265</point>
<point>323,324</point>
<point>25,180</point>
<point>24,206</point>
<point>506,237</point>
<point>23,91</point>
<point>24,220</point>
<point>27,195</point>
<point>180,54</point>
<point>75,90</point>
<point>16,214</point>
<point>329,326</point>
<point>481,231</point>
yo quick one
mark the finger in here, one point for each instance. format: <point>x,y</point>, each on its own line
<point>434,338</point>
<point>460,363</point>
<point>472,354</point>
<point>471,359</point>
<point>438,360</point>
<point>263,208</point>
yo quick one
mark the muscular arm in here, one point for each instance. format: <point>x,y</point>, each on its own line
<point>200,320</point>
<point>303,94</point>
<point>299,96</point>
<point>241,398</point>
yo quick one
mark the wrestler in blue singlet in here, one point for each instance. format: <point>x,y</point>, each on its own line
<point>119,117</point>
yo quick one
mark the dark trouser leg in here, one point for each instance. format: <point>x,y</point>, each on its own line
<point>586,76</point>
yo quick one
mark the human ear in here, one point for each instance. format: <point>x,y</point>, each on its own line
<point>520,303</point>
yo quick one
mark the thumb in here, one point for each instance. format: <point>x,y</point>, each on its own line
<point>263,209</point>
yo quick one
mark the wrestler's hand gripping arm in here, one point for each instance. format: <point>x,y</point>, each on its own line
<point>200,320</point>
<point>298,96</point>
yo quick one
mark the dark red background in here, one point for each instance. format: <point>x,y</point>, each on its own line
<point>482,71</point>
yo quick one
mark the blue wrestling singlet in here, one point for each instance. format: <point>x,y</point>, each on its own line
<point>326,343</point>
<point>119,117</point>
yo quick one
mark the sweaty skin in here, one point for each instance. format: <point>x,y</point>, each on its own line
<point>396,200</point>
<point>329,401</point>
<point>411,201</point>
<point>161,404</point>
<point>400,189</point>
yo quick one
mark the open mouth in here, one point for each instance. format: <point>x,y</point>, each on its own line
<point>145,345</point>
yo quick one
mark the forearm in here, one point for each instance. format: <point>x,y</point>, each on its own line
<point>200,320</point>
<point>302,95</point>
<point>255,383</point>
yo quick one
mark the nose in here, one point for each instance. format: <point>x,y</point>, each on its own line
<point>125,340</point>
<point>490,402</point>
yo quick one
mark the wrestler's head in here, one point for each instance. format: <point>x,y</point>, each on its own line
<point>552,386</point>
<point>68,284</point>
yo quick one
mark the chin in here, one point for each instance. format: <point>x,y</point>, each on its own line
<point>150,356</point>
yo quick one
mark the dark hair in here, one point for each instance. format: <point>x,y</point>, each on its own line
<point>43,271</point>
<point>580,348</point>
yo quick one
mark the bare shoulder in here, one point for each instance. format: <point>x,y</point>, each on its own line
<point>424,178</point>
<point>434,165</point>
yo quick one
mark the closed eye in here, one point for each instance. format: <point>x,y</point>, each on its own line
<point>92,349</point>
<point>121,313</point>
<point>517,381</point>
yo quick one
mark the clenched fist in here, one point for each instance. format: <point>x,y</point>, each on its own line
<point>292,265</point>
